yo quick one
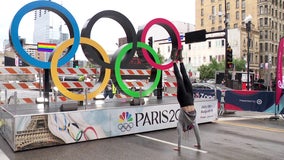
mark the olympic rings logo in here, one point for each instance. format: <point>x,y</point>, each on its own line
<point>125,126</point>
<point>93,51</point>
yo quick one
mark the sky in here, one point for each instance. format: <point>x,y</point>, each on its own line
<point>106,31</point>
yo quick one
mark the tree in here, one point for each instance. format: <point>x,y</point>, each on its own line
<point>162,58</point>
<point>208,71</point>
<point>240,64</point>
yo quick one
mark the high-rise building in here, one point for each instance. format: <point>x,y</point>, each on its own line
<point>48,29</point>
<point>267,28</point>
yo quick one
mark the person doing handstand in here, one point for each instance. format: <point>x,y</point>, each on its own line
<point>187,116</point>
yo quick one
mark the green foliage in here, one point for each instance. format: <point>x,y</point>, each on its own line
<point>208,71</point>
<point>162,58</point>
<point>240,64</point>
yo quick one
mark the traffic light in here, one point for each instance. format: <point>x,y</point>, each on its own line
<point>229,57</point>
<point>150,41</point>
<point>75,64</point>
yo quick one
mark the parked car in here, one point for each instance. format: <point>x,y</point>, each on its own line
<point>258,86</point>
<point>263,87</point>
<point>222,88</point>
<point>212,81</point>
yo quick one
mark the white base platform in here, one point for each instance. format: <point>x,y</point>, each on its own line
<point>34,126</point>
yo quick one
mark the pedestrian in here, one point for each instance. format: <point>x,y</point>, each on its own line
<point>108,92</point>
<point>187,116</point>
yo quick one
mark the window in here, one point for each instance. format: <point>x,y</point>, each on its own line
<point>228,6</point>
<point>237,4</point>
<point>209,44</point>
<point>266,47</point>
<point>236,25</point>
<point>220,19</point>
<point>228,17</point>
<point>260,22</point>
<point>243,14</point>
<point>220,7</point>
<point>189,46</point>
<point>243,4</point>
<point>261,10</point>
<point>202,22</point>
<point>213,10</point>
<point>202,2</point>
<point>265,21</point>
<point>202,12</point>
<point>237,15</point>
<point>260,47</point>
<point>223,42</point>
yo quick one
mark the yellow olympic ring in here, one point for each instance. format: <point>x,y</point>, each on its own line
<point>53,69</point>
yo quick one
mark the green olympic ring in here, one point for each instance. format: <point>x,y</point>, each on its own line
<point>118,77</point>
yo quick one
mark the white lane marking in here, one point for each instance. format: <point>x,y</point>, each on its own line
<point>173,144</point>
<point>3,155</point>
<point>242,118</point>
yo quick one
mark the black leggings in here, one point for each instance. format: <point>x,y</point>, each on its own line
<point>184,86</point>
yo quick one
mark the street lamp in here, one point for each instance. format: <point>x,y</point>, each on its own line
<point>248,29</point>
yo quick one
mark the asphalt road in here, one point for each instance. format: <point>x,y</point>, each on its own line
<point>239,136</point>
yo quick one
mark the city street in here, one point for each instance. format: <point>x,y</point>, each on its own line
<point>237,136</point>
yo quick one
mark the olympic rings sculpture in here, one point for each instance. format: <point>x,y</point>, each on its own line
<point>93,51</point>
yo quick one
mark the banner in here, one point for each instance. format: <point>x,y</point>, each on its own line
<point>259,101</point>
<point>278,89</point>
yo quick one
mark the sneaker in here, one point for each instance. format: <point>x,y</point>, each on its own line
<point>179,55</point>
<point>174,54</point>
<point>197,146</point>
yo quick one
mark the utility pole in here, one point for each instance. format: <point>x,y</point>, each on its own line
<point>248,29</point>
<point>226,76</point>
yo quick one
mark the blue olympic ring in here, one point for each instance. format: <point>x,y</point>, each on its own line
<point>63,13</point>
